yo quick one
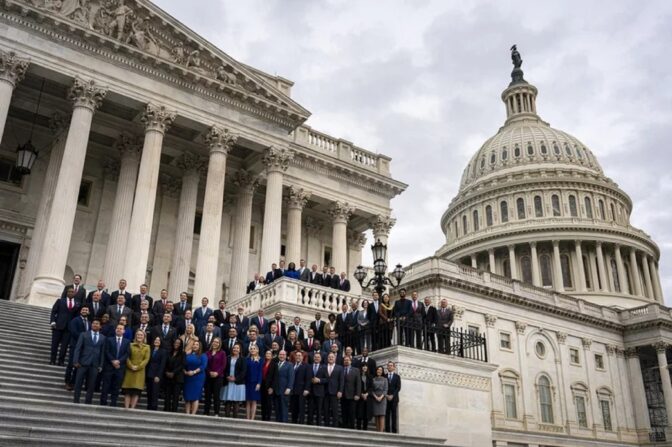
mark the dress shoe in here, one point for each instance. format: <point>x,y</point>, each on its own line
<point>68,387</point>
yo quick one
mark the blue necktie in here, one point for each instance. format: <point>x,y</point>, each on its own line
<point>118,346</point>
<point>95,338</point>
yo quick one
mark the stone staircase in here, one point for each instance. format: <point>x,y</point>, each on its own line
<point>36,410</point>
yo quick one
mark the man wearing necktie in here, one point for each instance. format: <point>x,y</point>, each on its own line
<point>282,388</point>
<point>62,312</point>
<point>137,299</point>
<point>76,327</point>
<point>316,378</point>
<point>352,388</point>
<point>393,388</point>
<point>417,320</point>
<point>80,292</point>
<point>333,391</point>
<point>165,332</point>
<point>300,389</point>
<point>88,359</point>
<point>444,319</point>
<point>116,353</point>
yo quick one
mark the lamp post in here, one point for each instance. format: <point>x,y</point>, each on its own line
<point>380,279</point>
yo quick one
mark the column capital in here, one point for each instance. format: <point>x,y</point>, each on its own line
<point>556,243</point>
<point>490,320</point>
<point>340,212</point>
<point>598,244</point>
<point>611,349</point>
<point>12,67</point>
<point>157,118</point>
<point>313,226</point>
<point>617,247</point>
<point>511,247</point>
<point>220,140</point>
<point>631,352</point>
<point>190,163</point>
<point>586,342</point>
<point>578,242</point>
<point>382,225</point>
<point>129,146</point>
<point>660,346</point>
<point>277,159</point>
<point>246,181</point>
<point>562,337</point>
<point>520,327</point>
<point>491,251</point>
<point>170,186</point>
<point>533,244</point>
<point>297,198</point>
<point>86,93</point>
<point>58,122</point>
<point>356,239</point>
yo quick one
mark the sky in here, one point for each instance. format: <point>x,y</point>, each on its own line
<point>420,81</point>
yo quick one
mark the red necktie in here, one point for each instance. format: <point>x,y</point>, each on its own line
<point>69,304</point>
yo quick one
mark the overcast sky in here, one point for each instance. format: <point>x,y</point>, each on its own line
<point>420,81</point>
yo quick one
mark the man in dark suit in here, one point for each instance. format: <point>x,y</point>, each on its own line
<point>444,319</point>
<point>400,311</point>
<point>314,277</point>
<point>325,279</point>
<point>310,340</point>
<point>88,360</point>
<point>333,391</point>
<point>253,339</point>
<point>243,320</point>
<point>183,323</point>
<point>416,319</point>
<point>104,296</point>
<point>317,349</point>
<point>352,388</point>
<point>364,359</point>
<point>96,307</point>
<point>273,274</point>
<point>284,382</point>
<point>304,272</point>
<point>260,322</point>
<point>221,316</point>
<point>80,291</point>
<point>299,389</point>
<point>201,314</point>
<point>316,378</point>
<point>273,336</point>
<point>344,283</point>
<point>300,333</point>
<point>334,280</point>
<point>145,326</point>
<point>229,342</point>
<point>318,327</point>
<point>333,340</point>
<point>144,311</point>
<point>140,297</point>
<point>63,310</point>
<point>208,335</point>
<point>430,324</point>
<point>118,310</point>
<point>165,332</point>
<point>393,388</point>
<point>183,305</point>
<point>76,327</point>
<point>254,283</point>
<point>116,353</point>
<point>281,326</point>
<point>233,323</point>
<point>159,307</point>
<point>121,291</point>
<point>342,320</point>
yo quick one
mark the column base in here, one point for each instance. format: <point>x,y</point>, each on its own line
<point>44,291</point>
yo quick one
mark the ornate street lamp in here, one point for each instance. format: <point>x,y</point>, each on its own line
<point>380,279</point>
<point>26,154</point>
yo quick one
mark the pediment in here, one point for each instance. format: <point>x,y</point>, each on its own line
<point>149,35</point>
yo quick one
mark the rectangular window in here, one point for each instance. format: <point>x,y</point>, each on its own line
<point>599,361</point>
<point>581,417</point>
<point>252,237</point>
<point>510,401</point>
<point>606,414</point>
<point>8,173</point>
<point>574,356</point>
<point>505,340</point>
<point>327,256</point>
<point>197,222</point>
<point>84,195</point>
<point>472,329</point>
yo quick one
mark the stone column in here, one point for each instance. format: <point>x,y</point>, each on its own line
<point>296,200</point>
<point>512,262</point>
<point>115,253</point>
<point>156,119</point>
<point>276,162</point>
<point>12,70</point>
<point>340,213</point>
<point>661,351</point>
<point>559,284</point>
<point>474,261</point>
<point>48,282</point>
<point>647,276</point>
<point>58,124</point>
<point>492,260</point>
<point>191,166</point>
<point>247,183</point>
<point>381,231</point>
<point>620,267</point>
<point>641,409</point>
<point>604,281</point>
<point>356,240</point>
<point>536,275</point>
<point>636,280</point>
<point>164,239</point>
<point>581,277</point>
<point>220,142</point>
<point>313,231</point>
<point>657,291</point>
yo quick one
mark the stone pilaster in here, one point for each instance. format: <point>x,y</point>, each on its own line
<point>276,161</point>
<point>12,70</point>
<point>356,241</point>
<point>157,119</point>
<point>661,351</point>
<point>48,283</point>
<point>641,409</point>
<point>296,201</point>
<point>220,142</point>
<point>247,183</point>
<point>340,213</point>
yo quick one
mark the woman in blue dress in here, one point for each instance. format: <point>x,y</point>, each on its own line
<point>253,382</point>
<point>291,271</point>
<point>234,392</point>
<point>195,364</point>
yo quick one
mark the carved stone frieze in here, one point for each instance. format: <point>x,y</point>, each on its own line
<point>441,377</point>
<point>562,337</point>
<point>586,342</point>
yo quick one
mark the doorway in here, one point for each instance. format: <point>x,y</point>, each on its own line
<point>9,257</point>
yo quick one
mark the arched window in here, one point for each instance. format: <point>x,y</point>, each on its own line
<point>516,151</point>
<point>545,269</point>
<point>493,157</point>
<point>465,229</point>
<point>504,211</point>
<point>586,273</point>
<point>613,212</point>
<point>520,207</point>
<point>545,400</point>
<point>578,152</point>
<point>572,206</point>
<point>555,204</point>
<point>589,207</point>
<point>614,274</point>
<point>475,219</point>
<point>566,271</point>
<point>526,266</point>
<point>506,266</point>
<point>601,206</point>
<point>488,215</point>
<point>627,287</point>
<point>568,150</point>
<point>538,207</point>
<point>556,149</point>
<point>544,150</point>
<point>505,154</point>
<point>482,162</point>
<point>530,149</point>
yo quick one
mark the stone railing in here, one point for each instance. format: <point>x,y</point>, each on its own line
<point>310,297</point>
<point>645,313</point>
<point>341,149</point>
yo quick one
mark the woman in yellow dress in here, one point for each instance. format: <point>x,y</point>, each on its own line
<point>134,378</point>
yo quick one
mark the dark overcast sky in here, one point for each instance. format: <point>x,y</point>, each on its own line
<point>421,80</point>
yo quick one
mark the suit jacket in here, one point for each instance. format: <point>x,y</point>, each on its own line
<point>177,309</point>
<point>260,344</point>
<point>344,285</point>
<point>158,309</point>
<point>137,299</point>
<point>352,383</point>
<point>93,315</point>
<point>80,295</point>
<point>61,315</point>
<point>359,361</point>
<point>301,383</point>
<point>316,389</point>
<point>104,297</point>
<point>115,294</point>
<point>115,315</point>
<point>215,330</point>
<point>315,278</point>
<point>88,353</point>
<point>254,321</point>
<point>273,275</point>
<point>157,364</point>
<point>335,382</point>
<point>76,327</point>
<point>175,365</point>
<point>112,354</point>
<point>304,275</point>
<point>444,319</point>
<point>326,280</point>
<point>225,345</point>
<point>148,330</point>
<point>251,287</point>
<point>181,326</point>
<point>284,379</point>
<point>269,380</point>
<point>335,282</point>
<point>166,340</point>
<point>300,333</point>
<point>342,324</point>
<point>269,339</point>
<point>373,312</point>
<point>281,328</point>
<point>152,319</point>
<point>201,317</point>
<point>227,326</point>
<point>309,345</point>
<point>319,331</point>
<point>204,339</point>
<point>244,323</point>
<point>326,348</point>
<point>394,386</point>
<point>417,316</point>
<point>430,316</point>
<point>221,317</point>
<point>402,308</point>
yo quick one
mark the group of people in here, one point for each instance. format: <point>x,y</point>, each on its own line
<point>320,374</point>
<point>327,278</point>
